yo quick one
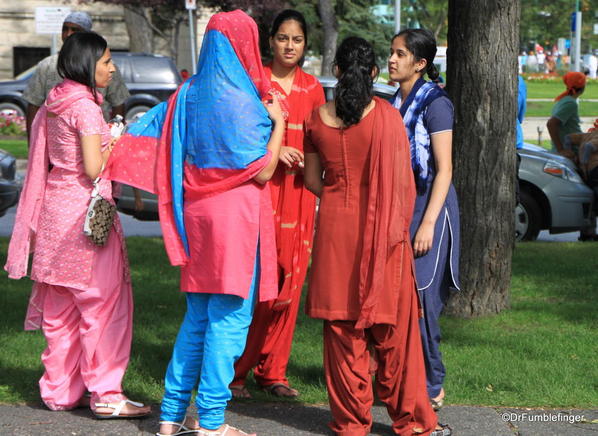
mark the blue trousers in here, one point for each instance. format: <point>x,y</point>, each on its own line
<point>211,338</point>
<point>433,300</point>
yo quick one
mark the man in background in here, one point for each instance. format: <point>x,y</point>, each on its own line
<point>46,76</point>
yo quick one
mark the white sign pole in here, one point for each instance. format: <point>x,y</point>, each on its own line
<point>191,6</point>
<point>577,41</point>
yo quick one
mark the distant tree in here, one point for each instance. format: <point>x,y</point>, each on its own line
<point>431,14</point>
<point>545,22</point>
<point>482,83</point>
<point>263,12</point>
<point>330,26</point>
<point>146,19</point>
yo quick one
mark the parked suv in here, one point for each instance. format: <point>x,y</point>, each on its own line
<point>149,78</point>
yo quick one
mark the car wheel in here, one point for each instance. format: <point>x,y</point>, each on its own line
<point>8,108</point>
<point>528,217</point>
<point>135,113</point>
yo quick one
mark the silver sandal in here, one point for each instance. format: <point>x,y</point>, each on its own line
<point>182,428</point>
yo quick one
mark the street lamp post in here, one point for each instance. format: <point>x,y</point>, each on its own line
<point>397,16</point>
<point>577,54</point>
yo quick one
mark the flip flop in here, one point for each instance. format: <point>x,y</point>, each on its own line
<point>437,404</point>
<point>240,392</point>
<point>445,430</point>
<point>275,388</point>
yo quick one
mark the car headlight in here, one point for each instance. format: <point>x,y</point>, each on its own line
<point>557,169</point>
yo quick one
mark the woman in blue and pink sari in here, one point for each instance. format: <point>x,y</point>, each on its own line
<point>218,146</point>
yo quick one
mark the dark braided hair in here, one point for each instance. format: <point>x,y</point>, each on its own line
<point>422,44</point>
<point>355,60</point>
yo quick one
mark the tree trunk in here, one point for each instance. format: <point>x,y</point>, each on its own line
<point>483,41</point>
<point>138,28</point>
<point>330,27</point>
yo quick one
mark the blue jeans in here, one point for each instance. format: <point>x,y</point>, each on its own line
<point>211,338</point>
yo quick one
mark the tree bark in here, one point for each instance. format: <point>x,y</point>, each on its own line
<point>138,28</point>
<point>330,27</point>
<point>483,37</point>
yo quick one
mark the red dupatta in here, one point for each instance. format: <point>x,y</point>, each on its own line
<point>390,206</point>
<point>294,206</point>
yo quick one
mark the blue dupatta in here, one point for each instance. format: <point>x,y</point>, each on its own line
<point>412,111</point>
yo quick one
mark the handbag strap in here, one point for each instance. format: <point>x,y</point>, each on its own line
<point>96,189</point>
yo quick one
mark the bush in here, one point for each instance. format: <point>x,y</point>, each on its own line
<point>12,125</point>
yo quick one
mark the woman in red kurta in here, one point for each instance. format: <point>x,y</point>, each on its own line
<point>271,332</point>
<point>362,285</point>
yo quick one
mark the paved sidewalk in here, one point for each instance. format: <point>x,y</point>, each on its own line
<point>531,124</point>
<point>289,419</point>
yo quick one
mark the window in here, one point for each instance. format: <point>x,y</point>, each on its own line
<point>26,57</point>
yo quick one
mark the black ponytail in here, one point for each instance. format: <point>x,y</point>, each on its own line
<point>355,60</point>
<point>433,72</point>
<point>422,44</point>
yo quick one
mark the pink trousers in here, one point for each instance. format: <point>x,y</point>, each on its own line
<point>88,332</point>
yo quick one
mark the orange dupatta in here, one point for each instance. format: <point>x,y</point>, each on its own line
<point>294,206</point>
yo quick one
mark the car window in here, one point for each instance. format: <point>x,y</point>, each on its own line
<point>152,70</point>
<point>123,64</point>
<point>383,92</point>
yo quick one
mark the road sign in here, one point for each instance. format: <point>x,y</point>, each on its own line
<point>48,20</point>
<point>190,4</point>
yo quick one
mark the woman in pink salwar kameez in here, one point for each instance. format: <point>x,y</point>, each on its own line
<point>81,298</point>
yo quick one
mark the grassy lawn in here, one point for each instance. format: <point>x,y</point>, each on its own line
<point>16,147</point>
<point>550,89</point>
<point>538,353</point>
<point>544,109</point>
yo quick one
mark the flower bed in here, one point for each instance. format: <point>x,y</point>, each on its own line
<point>12,125</point>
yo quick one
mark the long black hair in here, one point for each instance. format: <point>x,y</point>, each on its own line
<point>356,61</point>
<point>422,44</point>
<point>78,57</point>
<point>289,14</point>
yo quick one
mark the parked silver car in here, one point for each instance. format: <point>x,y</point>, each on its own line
<point>552,194</point>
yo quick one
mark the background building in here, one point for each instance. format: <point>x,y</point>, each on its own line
<point>21,47</point>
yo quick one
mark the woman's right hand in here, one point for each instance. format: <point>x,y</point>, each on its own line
<point>274,109</point>
<point>291,156</point>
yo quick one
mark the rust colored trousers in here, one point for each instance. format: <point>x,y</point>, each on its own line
<point>400,380</point>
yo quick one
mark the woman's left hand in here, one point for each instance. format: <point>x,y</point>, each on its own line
<point>423,239</point>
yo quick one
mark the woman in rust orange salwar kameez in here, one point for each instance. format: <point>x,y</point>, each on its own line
<point>362,284</point>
